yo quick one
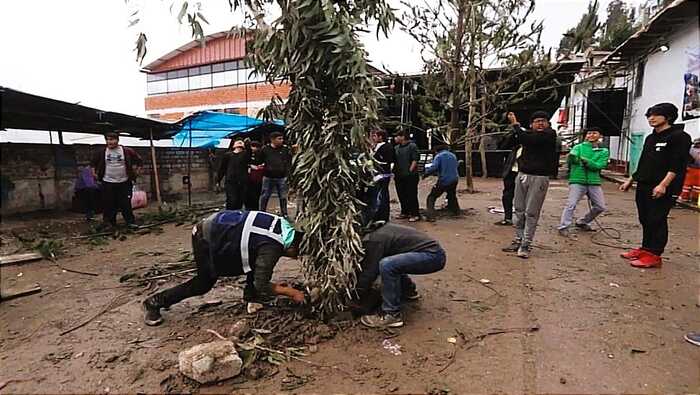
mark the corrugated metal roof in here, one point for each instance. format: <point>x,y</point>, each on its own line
<point>219,47</point>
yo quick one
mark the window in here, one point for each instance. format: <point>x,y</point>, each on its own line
<point>193,71</point>
<point>156,77</point>
<point>156,87</point>
<point>217,67</point>
<point>218,79</point>
<point>177,84</point>
<point>205,69</point>
<point>639,81</point>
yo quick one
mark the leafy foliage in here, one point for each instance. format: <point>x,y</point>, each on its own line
<point>583,35</point>
<point>314,45</point>
<point>619,25</point>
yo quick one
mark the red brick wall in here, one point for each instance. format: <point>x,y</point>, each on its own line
<point>216,96</point>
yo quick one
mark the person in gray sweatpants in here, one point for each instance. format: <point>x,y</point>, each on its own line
<point>538,161</point>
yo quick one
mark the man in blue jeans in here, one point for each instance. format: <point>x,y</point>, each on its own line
<point>445,166</point>
<point>395,251</point>
<point>277,161</point>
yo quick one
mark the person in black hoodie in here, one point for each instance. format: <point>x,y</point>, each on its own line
<point>510,171</point>
<point>536,164</point>
<point>379,193</point>
<point>234,167</point>
<point>659,177</point>
<point>277,159</point>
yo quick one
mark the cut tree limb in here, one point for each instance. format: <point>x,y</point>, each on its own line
<point>19,258</point>
<point>17,293</point>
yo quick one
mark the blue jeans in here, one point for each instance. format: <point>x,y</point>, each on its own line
<point>277,184</point>
<point>393,268</point>
<point>378,201</point>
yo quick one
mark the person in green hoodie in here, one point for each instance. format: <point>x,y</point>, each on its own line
<point>586,160</point>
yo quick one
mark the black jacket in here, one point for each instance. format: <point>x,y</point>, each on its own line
<point>278,161</point>
<point>385,155</point>
<point>234,166</point>
<point>509,142</point>
<point>663,152</point>
<point>390,239</point>
<point>539,156</point>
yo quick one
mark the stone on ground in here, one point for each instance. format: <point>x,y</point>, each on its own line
<point>210,362</point>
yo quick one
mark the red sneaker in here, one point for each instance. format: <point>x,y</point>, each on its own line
<point>647,260</point>
<point>633,254</point>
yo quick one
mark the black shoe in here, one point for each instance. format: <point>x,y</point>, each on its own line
<point>504,222</point>
<point>382,320</point>
<point>249,294</point>
<point>410,294</point>
<point>584,227</point>
<point>513,247</point>
<point>152,315</point>
<point>132,226</point>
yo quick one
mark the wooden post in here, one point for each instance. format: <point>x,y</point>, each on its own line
<point>155,170</point>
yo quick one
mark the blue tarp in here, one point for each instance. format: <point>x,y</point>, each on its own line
<point>209,127</point>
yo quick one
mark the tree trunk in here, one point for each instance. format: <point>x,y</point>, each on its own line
<point>482,139</point>
<point>472,95</point>
<point>456,73</point>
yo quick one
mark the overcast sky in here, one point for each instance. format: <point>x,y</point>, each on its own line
<point>82,50</point>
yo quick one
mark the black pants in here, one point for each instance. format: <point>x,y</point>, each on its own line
<point>235,194</point>
<point>508,194</point>
<point>436,192</point>
<point>117,197</point>
<point>653,216</point>
<point>252,199</point>
<point>407,191</point>
<point>203,282</point>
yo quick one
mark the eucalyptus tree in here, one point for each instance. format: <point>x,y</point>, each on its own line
<point>314,45</point>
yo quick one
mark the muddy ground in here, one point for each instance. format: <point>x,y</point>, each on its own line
<point>576,318</point>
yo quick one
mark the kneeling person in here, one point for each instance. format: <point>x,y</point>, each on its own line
<point>234,243</point>
<point>395,251</point>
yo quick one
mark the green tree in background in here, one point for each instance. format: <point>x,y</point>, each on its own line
<point>619,25</point>
<point>583,35</point>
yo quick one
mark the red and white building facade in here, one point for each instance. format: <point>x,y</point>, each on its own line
<point>213,77</point>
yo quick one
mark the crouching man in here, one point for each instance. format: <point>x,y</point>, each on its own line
<point>395,251</point>
<point>234,243</point>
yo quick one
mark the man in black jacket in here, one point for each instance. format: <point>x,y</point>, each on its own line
<point>395,251</point>
<point>510,171</point>
<point>277,159</point>
<point>536,164</point>
<point>659,177</point>
<point>379,193</point>
<point>234,167</point>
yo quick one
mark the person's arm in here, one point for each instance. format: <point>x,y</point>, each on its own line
<point>136,161</point>
<point>267,256</point>
<point>223,165</point>
<point>574,155</point>
<point>679,161</point>
<point>370,266</point>
<point>415,157</point>
<point>434,166</point>
<point>95,162</point>
<point>599,160</point>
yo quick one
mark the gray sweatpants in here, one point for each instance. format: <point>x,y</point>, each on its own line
<point>530,192</point>
<point>576,192</point>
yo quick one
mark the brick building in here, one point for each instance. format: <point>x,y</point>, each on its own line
<point>211,77</point>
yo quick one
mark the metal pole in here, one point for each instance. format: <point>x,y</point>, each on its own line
<point>189,166</point>
<point>403,86</point>
<point>155,169</point>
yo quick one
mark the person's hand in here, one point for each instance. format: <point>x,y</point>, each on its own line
<point>296,295</point>
<point>626,185</point>
<point>512,119</point>
<point>658,192</point>
<point>584,162</point>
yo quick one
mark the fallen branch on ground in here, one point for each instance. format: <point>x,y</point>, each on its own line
<point>109,306</point>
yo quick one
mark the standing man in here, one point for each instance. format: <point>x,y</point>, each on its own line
<point>445,166</point>
<point>234,166</point>
<point>659,177</point>
<point>255,176</point>
<point>510,171</point>
<point>277,159</point>
<point>536,164</point>
<point>234,243</point>
<point>395,251</point>
<point>116,168</point>
<point>406,172</point>
<point>586,160</point>
<point>379,193</point>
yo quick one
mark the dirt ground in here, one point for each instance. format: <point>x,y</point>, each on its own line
<point>574,318</point>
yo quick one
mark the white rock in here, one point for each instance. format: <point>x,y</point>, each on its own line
<point>210,362</point>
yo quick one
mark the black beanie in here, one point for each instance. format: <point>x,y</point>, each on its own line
<point>538,114</point>
<point>667,110</point>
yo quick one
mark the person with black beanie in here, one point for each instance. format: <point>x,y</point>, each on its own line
<point>659,178</point>
<point>536,164</point>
